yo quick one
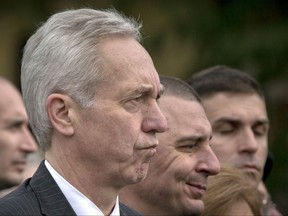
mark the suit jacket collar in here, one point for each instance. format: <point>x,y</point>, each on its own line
<point>51,198</point>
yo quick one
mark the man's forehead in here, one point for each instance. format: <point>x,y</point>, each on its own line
<point>11,104</point>
<point>144,88</point>
<point>237,102</point>
<point>226,94</point>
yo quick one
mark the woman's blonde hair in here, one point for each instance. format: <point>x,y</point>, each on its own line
<point>226,189</point>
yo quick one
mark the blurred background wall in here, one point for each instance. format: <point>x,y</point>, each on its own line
<point>182,38</point>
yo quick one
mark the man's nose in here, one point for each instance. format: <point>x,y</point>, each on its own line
<point>248,141</point>
<point>154,120</point>
<point>208,163</point>
<point>28,144</point>
<point>213,163</point>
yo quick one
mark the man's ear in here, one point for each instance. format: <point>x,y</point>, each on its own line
<point>60,111</point>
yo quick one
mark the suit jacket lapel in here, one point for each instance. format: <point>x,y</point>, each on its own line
<point>51,199</point>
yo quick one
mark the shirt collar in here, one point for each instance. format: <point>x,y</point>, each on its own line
<point>78,201</point>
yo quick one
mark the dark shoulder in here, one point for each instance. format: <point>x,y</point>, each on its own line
<point>127,211</point>
<point>21,201</point>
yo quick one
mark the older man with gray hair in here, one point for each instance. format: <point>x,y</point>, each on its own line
<point>91,94</point>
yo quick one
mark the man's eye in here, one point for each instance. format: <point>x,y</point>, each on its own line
<point>260,130</point>
<point>133,105</point>
<point>187,147</point>
<point>15,126</point>
<point>137,99</point>
<point>224,129</point>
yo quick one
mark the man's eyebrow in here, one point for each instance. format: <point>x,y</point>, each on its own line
<point>228,119</point>
<point>145,89</point>
<point>186,139</point>
<point>192,138</point>
<point>142,89</point>
<point>137,91</point>
<point>263,121</point>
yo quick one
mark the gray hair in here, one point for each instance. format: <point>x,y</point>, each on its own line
<point>62,56</point>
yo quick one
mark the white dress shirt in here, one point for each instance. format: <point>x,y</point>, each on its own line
<point>79,202</point>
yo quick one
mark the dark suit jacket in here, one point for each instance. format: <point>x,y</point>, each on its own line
<point>40,195</point>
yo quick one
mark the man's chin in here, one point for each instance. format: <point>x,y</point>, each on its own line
<point>141,174</point>
<point>195,208</point>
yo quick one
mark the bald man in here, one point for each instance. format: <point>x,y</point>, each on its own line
<point>16,142</point>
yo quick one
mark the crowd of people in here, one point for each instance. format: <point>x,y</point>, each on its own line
<point>120,139</point>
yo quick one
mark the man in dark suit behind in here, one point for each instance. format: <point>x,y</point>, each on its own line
<point>91,91</point>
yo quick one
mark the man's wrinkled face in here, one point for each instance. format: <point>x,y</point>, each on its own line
<point>16,142</point>
<point>240,131</point>
<point>118,133</point>
<point>177,177</point>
